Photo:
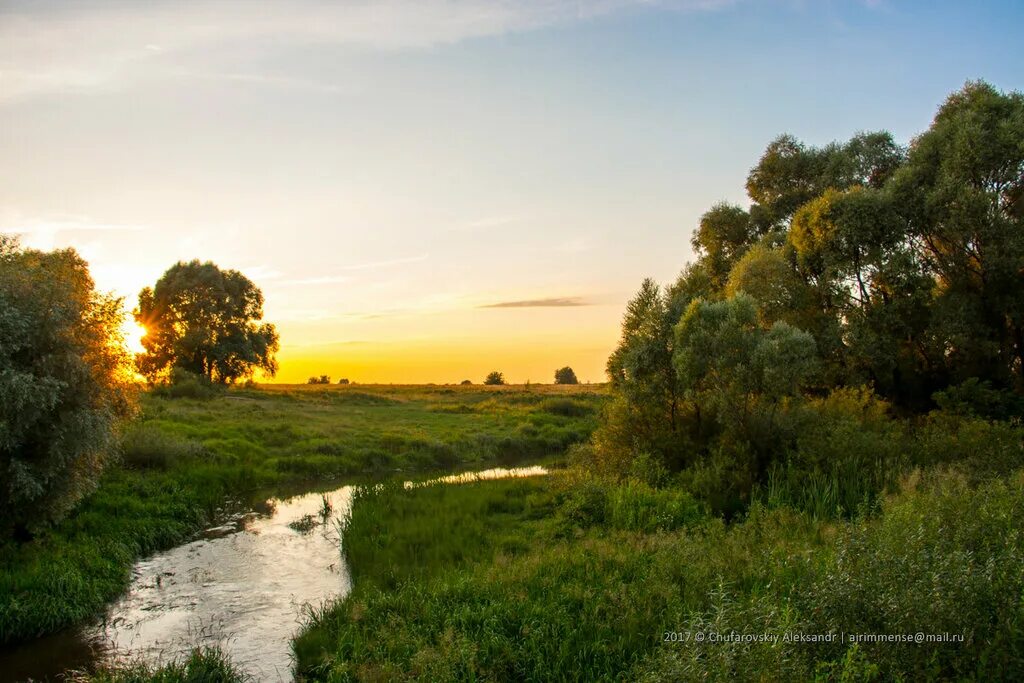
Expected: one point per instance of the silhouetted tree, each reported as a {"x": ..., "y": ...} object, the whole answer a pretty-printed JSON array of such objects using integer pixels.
[
  {"x": 205, "y": 320},
  {"x": 494, "y": 378},
  {"x": 466, "y": 382},
  {"x": 322, "y": 379},
  {"x": 565, "y": 376},
  {"x": 65, "y": 381}
]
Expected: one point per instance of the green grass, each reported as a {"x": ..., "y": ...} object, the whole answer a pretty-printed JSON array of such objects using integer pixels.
[
  {"x": 439, "y": 595},
  {"x": 201, "y": 666},
  {"x": 186, "y": 459}
]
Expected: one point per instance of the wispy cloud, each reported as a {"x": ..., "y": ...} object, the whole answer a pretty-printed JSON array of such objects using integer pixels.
[
  {"x": 370, "y": 265},
  {"x": 321, "y": 280},
  {"x": 485, "y": 223},
  {"x": 66, "y": 48},
  {"x": 554, "y": 302}
]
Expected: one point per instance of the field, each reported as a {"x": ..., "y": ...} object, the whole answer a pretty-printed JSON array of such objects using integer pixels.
[{"x": 188, "y": 458}]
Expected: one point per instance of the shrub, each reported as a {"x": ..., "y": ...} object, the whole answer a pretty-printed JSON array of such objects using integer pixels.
[
  {"x": 566, "y": 407},
  {"x": 65, "y": 384},
  {"x": 343, "y": 380},
  {"x": 147, "y": 447},
  {"x": 494, "y": 378},
  {"x": 322, "y": 379},
  {"x": 181, "y": 383},
  {"x": 466, "y": 382},
  {"x": 944, "y": 558}
]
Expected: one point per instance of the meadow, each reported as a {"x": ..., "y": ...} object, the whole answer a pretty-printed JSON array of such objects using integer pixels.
[
  {"x": 194, "y": 455},
  {"x": 574, "y": 578}
]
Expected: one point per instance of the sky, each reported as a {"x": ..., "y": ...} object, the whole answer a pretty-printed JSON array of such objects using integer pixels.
[{"x": 424, "y": 190}]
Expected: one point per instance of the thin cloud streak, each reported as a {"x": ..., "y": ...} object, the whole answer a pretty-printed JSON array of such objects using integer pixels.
[{"x": 554, "y": 302}]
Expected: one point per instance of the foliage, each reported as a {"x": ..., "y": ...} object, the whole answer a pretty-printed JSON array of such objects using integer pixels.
[
  {"x": 565, "y": 376},
  {"x": 322, "y": 379},
  {"x": 857, "y": 264},
  {"x": 205, "y": 320},
  {"x": 65, "y": 383},
  {"x": 494, "y": 378}
]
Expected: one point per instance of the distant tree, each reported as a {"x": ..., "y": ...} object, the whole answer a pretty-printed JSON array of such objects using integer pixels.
[
  {"x": 565, "y": 376},
  {"x": 494, "y": 378},
  {"x": 343, "y": 381},
  {"x": 322, "y": 379},
  {"x": 65, "y": 382},
  {"x": 466, "y": 382},
  {"x": 205, "y": 320}
]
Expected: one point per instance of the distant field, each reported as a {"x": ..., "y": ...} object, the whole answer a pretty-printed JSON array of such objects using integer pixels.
[{"x": 186, "y": 458}]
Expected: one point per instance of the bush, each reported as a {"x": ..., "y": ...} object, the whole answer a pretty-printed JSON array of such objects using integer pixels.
[
  {"x": 943, "y": 558},
  {"x": 65, "y": 383},
  {"x": 566, "y": 407},
  {"x": 466, "y": 382},
  {"x": 494, "y": 378},
  {"x": 147, "y": 447},
  {"x": 183, "y": 384},
  {"x": 343, "y": 380},
  {"x": 322, "y": 379}
]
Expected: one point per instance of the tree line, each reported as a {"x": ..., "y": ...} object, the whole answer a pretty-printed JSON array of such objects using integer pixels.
[{"x": 862, "y": 272}]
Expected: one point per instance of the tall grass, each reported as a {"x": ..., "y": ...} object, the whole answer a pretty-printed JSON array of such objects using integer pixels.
[
  {"x": 201, "y": 666},
  {"x": 943, "y": 556}
]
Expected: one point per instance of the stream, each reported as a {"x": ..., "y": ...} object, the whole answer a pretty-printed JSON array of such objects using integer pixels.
[{"x": 244, "y": 585}]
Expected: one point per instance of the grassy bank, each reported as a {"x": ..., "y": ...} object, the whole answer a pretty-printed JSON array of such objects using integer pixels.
[
  {"x": 551, "y": 580},
  {"x": 187, "y": 458}
]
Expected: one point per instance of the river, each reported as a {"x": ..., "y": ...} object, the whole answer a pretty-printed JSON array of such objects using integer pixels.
[{"x": 244, "y": 585}]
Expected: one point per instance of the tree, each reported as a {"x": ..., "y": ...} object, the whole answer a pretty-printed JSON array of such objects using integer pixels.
[
  {"x": 729, "y": 362},
  {"x": 466, "y": 382},
  {"x": 565, "y": 376},
  {"x": 322, "y": 379},
  {"x": 206, "y": 321},
  {"x": 962, "y": 195},
  {"x": 494, "y": 378},
  {"x": 65, "y": 383}
]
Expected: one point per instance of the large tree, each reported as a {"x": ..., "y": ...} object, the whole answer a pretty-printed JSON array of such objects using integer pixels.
[
  {"x": 65, "y": 382},
  {"x": 962, "y": 195},
  {"x": 206, "y": 321}
]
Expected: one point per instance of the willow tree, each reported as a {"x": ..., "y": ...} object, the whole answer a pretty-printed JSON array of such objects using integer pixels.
[{"x": 205, "y": 321}]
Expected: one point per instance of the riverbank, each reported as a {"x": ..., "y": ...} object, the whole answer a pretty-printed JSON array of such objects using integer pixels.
[{"x": 188, "y": 460}]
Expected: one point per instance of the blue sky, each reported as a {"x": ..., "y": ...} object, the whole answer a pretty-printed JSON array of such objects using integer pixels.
[{"x": 387, "y": 171}]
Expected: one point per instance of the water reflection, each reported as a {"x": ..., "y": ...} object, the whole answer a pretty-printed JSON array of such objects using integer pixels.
[{"x": 242, "y": 586}]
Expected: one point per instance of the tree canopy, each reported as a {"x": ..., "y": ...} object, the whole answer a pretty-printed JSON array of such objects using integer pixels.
[
  {"x": 65, "y": 382},
  {"x": 494, "y": 378},
  {"x": 565, "y": 376},
  {"x": 206, "y": 321},
  {"x": 857, "y": 264}
]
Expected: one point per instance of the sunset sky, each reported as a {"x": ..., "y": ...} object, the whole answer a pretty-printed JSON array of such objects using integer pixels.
[{"x": 426, "y": 191}]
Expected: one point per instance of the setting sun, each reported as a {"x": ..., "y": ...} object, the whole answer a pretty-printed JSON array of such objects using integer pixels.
[{"x": 133, "y": 334}]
